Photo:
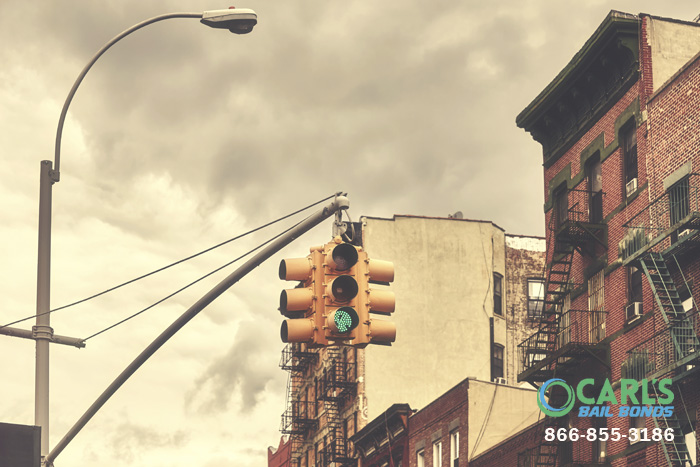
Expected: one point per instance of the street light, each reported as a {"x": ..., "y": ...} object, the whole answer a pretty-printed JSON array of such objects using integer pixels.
[{"x": 238, "y": 21}]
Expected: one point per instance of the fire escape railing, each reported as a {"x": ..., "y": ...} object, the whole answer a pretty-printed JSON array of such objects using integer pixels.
[
  {"x": 585, "y": 206},
  {"x": 576, "y": 222},
  {"x": 665, "y": 351},
  {"x": 576, "y": 328},
  {"x": 337, "y": 386},
  {"x": 679, "y": 206},
  {"x": 299, "y": 418}
]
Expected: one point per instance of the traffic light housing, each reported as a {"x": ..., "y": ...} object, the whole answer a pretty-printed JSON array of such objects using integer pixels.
[
  {"x": 333, "y": 301},
  {"x": 302, "y": 305},
  {"x": 341, "y": 291},
  {"x": 375, "y": 300}
]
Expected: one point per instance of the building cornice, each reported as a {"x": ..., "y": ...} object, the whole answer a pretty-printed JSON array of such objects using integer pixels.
[{"x": 599, "y": 74}]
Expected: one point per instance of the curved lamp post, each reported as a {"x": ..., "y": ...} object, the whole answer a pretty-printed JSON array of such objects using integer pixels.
[{"x": 238, "y": 21}]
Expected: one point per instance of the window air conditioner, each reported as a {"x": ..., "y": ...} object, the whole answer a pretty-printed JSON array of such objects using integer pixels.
[
  {"x": 500, "y": 381},
  {"x": 631, "y": 186},
  {"x": 633, "y": 311}
]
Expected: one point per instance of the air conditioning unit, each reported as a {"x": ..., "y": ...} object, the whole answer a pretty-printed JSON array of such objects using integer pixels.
[
  {"x": 500, "y": 381},
  {"x": 631, "y": 186},
  {"x": 633, "y": 311}
]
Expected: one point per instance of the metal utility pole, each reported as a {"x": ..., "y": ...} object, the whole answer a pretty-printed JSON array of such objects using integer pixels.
[{"x": 43, "y": 330}]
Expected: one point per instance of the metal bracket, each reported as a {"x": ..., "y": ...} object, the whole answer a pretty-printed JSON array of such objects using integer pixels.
[{"x": 42, "y": 332}]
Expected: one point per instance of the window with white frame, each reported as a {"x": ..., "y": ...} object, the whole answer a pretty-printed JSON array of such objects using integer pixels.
[
  {"x": 454, "y": 449},
  {"x": 420, "y": 458},
  {"x": 437, "y": 454},
  {"x": 596, "y": 306},
  {"x": 637, "y": 423},
  {"x": 535, "y": 298}
]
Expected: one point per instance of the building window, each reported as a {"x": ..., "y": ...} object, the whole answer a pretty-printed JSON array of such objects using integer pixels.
[
  {"x": 596, "y": 307},
  {"x": 497, "y": 294},
  {"x": 637, "y": 423},
  {"x": 420, "y": 458},
  {"x": 634, "y": 284},
  {"x": 679, "y": 201},
  {"x": 535, "y": 297},
  {"x": 628, "y": 136},
  {"x": 594, "y": 173},
  {"x": 497, "y": 362},
  {"x": 561, "y": 206},
  {"x": 437, "y": 454},
  {"x": 528, "y": 458},
  {"x": 599, "y": 445},
  {"x": 454, "y": 449}
]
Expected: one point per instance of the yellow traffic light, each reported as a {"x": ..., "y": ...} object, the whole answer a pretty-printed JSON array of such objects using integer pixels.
[
  {"x": 341, "y": 291},
  {"x": 374, "y": 300},
  {"x": 303, "y": 305},
  {"x": 333, "y": 301}
]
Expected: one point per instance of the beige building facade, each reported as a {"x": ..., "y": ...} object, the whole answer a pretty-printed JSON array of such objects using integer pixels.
[{"x": 460, "y": 309}]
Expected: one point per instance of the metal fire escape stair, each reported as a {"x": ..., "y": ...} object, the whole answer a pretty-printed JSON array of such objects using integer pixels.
[
  {"x": 676, "y": 450},
  {"x": 555, "y": 292},
  {"x": 556, "y": 288},
  {"x": 297, "y": 418},
  {"x": 336, "y": 388},
  {"x": 685, "y": 340}
]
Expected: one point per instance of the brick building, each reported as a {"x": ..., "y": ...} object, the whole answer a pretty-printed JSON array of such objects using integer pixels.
[
  {"x": 620, "y": 132},
  {"x": 279, "y": 457},
  {"x": 384, "y": 440},
  {"x": 461, "y": 307},
  {"x": 450, "y": 431}
]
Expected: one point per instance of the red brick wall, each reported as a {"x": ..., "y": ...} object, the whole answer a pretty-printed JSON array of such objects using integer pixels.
[
  {"x": 506, "y": 454},
  {"x": 281, "y": 456},
  {"x": 432, "y": 423},
  {"x": 674, "y": 126},
  {"x": 521, "y": 265}
]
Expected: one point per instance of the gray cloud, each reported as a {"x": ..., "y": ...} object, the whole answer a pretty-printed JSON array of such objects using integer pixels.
[
  {"x": 128, "y": 439},
  {"x": 243, "y": 373},
  {"x": 408, "y": 106}
]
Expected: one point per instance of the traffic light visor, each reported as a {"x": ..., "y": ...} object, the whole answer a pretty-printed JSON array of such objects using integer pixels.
[
  {"x": 296, "y": 269},
  {"x": 383, "y": 332},
  {"x": 343, "y": 257},
  {"x": 381, "y": 271},
  {"x": 382, "y": 301},
  {"x": 343, "y": 288},
  {"x": 296, "y": 300},
  {"x": 297, "y": 330}
]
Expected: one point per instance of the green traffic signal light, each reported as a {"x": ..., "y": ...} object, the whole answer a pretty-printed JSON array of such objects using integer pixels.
[{"x": 345, "y": 319}]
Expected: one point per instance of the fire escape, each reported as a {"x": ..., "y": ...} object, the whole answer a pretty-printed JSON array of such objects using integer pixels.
[
  {"x": 299, "y": 418},
  {"x": 337, "y": 386},
  {"x": 664, "y": 231},
  {"x": 565, "y": 338}
]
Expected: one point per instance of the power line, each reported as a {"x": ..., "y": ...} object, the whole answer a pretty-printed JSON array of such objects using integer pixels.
[
  {"x": 172, "y": 264},
  {"x": 192, "y": 283}
]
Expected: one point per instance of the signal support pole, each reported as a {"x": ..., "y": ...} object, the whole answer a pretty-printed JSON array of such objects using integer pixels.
[{"x": 43, "y": 330}]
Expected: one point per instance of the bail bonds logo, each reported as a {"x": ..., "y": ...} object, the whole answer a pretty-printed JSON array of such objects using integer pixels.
[{"x": 644, "y": 405}]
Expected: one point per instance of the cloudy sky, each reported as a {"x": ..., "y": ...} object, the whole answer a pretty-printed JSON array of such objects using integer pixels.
[{"x": 182, "y": 136}]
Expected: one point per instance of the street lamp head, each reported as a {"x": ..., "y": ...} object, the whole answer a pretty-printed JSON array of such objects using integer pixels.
[{"x": 238, "y": 21}]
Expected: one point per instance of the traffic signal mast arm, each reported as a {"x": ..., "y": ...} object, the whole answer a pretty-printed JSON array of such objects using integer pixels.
[{"x": 340, "y": 202}]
